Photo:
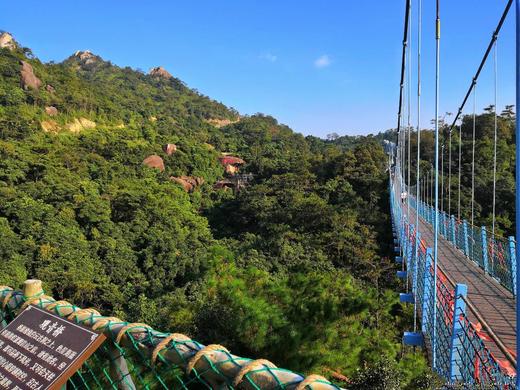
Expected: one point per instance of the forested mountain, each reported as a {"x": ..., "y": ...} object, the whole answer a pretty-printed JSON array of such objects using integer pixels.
[{"x": 294, "y": 267}]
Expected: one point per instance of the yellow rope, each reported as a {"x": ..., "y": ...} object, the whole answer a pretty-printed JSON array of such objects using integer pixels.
[
  {"x": 251, "y": 366},
  {"x": 126, "y": 328},
  {"x": 309, "y": 381},
  {"x": 164, "y": 343},
  {"x": 204, "y": 351}
]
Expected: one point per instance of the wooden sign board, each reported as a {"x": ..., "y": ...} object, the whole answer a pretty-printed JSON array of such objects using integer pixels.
[{"x": 40, "y": 350}]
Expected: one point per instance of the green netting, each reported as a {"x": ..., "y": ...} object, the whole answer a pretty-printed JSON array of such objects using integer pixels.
[{"x": 135, "y": 356}]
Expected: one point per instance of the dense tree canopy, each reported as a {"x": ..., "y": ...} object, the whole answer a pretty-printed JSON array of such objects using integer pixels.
[{"x": 294, "y": 267}]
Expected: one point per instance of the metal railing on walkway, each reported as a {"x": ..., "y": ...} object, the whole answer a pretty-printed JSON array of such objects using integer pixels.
[{"x": 461, "y": 355}]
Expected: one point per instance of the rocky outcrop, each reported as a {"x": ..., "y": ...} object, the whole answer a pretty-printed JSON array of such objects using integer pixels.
[
  {"x": 50, "y": 88},
  {"x": 231, "y": 160},
  {"x": 169, "y": 149},
  {"x": 28, "y": 78},
  {"x": 7, "y": 41},
  {"x": 185, "y": 185},
  {"x": 160, "y": 72},
  {"x": 188, "y": 183},
  {"x": 221, "y": 122},
  {"x": 154, "y": 161},
  {"x": 51, "y": 111},
  {"x": 86, "y": 57},
  {"x": 80, "y": 124},
  {"x": 50, "y": 126}
]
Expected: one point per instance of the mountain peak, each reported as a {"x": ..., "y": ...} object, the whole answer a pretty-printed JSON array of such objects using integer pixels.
[
  {"x": 7, "y": 41},
  {"x": 86, "y": 56},
  {"x": 159, "y": 71}
]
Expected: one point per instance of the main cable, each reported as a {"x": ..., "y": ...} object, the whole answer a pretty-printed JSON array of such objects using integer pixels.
[{"x": 484, "y": 59}]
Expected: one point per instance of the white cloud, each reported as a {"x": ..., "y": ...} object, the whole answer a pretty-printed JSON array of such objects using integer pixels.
[
  {"x": 269, "y": 57},
  {"x": 322, "y": 61}
]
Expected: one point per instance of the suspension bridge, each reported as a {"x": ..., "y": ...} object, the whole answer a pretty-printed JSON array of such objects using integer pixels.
[{"x": 460, "y": 278}]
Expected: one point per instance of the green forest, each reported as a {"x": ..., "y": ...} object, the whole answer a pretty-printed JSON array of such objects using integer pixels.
[{"x": 295, "y": 267}]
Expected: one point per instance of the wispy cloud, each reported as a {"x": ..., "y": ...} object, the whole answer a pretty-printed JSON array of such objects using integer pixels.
[
  {"x": 268, "y": 57},
  {"x": 322, "y": 61}
]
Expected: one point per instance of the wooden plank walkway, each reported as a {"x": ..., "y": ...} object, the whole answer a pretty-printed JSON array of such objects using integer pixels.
[{"x": 495, "y": 304}]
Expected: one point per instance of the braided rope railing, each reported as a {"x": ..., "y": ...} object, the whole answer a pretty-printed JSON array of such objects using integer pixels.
[{"x": 140, "y": 357}]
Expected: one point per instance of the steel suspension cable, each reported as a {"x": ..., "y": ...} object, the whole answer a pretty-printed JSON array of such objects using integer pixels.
[
  {"x": 401, "y": 139},
  {"x": 436, "y": 225},
  {"x": 442, "y": 177},
  {"x": 403, "y": 64},
  {"x": 417, "y": 180},
  {"x": 460, "y": 171},
  {"x": 409, "y": 95},
  {"x": 473, "y": 155},
  {"x": 484, "y": 59},
  {"x": 517, "y": 181},
  {"x": 409, "y": 109},
  {"x": 449, "y": 174},
  {"x": 495, "y": 55}
]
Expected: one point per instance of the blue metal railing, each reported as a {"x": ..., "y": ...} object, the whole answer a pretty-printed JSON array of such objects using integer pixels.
[
  {"x": 495, "y": 255},
  {"x": 462, "y": 357}
]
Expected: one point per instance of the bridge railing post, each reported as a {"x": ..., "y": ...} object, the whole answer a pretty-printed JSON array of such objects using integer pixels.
[
  {"x": 512, "y": 258},
  {"x": 466, "y": 242},
  {"x": 456, "y": 353},
  {"x": 452, "y": 235},
  {"x": 485, "y": 260},
  {"x": 409, "y": 247},
  {"x": 428, "y": 290},
  {"x": 416, "y": 263}
]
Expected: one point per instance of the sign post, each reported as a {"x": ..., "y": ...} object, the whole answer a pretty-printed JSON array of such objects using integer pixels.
[{"x": 40, "y": 350}]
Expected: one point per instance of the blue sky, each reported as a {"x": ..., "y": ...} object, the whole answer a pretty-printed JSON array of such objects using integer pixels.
[{"x": 317, "y": 66}]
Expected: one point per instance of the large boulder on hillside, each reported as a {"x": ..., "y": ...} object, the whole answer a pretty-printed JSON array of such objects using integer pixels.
[
  {"x": 189, "y": 183},
  {"x": 51, "y": 111},
  {"x": 184, "y": 183},
  {"x": 160, "y": 72},
  {"x": 7, "y": 41},
  {"x": 50, "y": 88},
  {"x": 28, "y": 78},
  {"x": 50, "y": 126},
  {"x": 169, "y": 149},
  {"x": 80, "y": 124},
  {"x": 154, "y": 161}
]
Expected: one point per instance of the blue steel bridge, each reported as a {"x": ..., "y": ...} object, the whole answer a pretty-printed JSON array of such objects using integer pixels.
[{"x": 462, "y": 279}]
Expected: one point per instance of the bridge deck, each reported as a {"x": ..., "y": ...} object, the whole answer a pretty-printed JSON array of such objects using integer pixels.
[{"x": 495, "y": 304}]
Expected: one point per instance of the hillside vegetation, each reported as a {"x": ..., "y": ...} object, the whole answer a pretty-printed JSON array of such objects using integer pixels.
[{"x": 292, "y": 268}]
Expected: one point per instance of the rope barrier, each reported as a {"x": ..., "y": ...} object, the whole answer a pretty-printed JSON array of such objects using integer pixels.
[{"x": 141, "y": 357}]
